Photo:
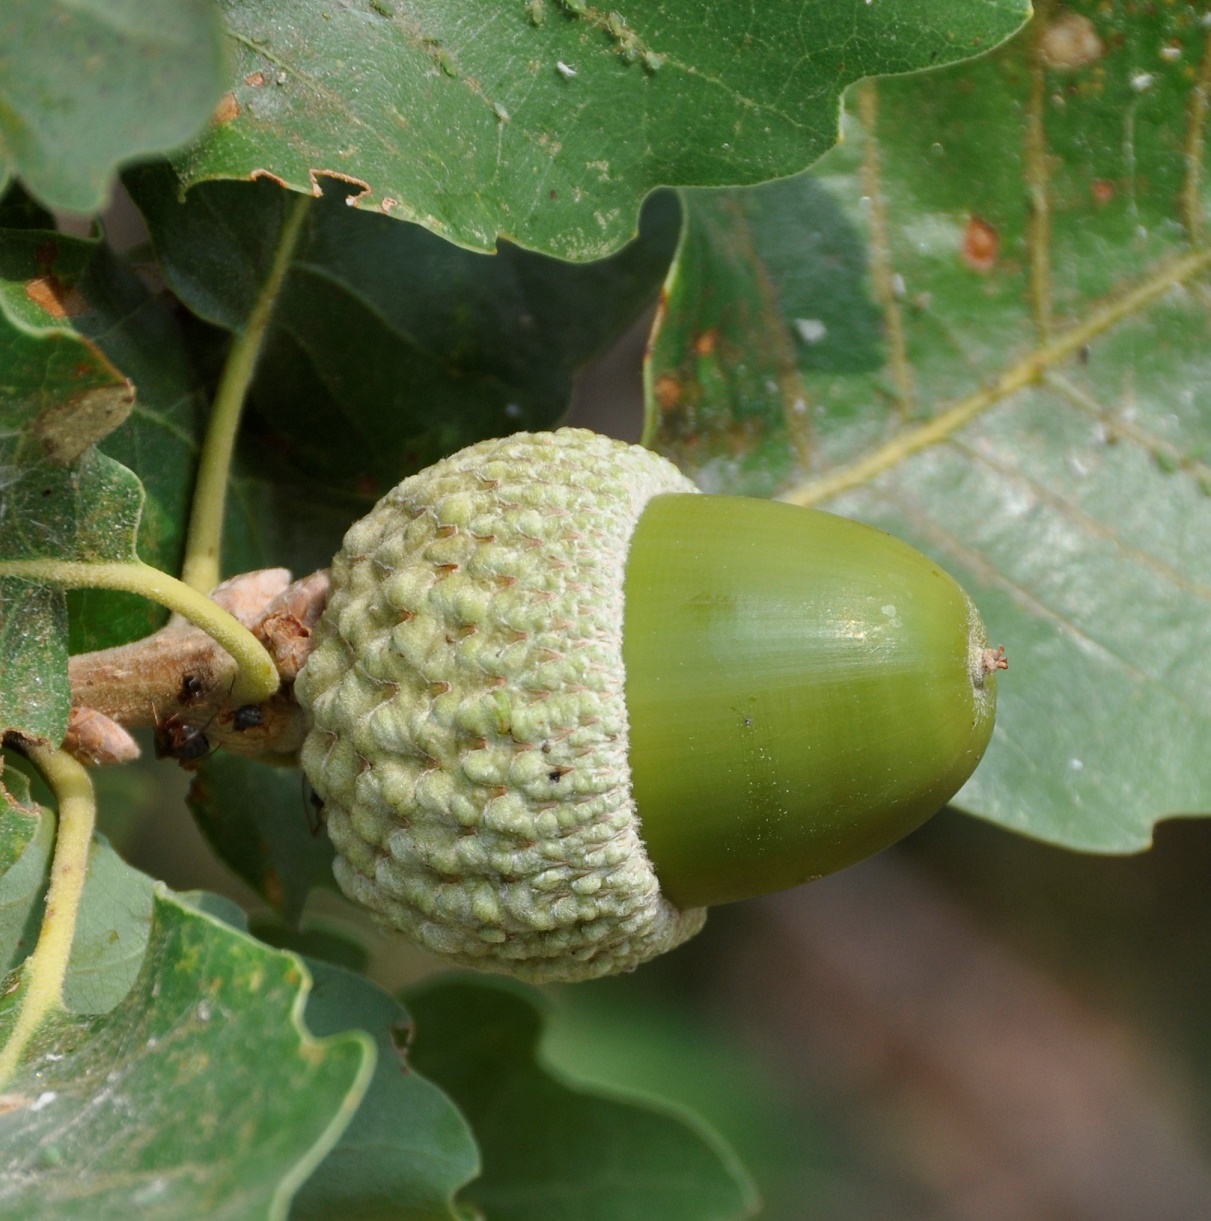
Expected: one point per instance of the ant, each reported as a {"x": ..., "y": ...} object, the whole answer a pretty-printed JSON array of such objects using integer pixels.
[{"x": 187, "y": 744}]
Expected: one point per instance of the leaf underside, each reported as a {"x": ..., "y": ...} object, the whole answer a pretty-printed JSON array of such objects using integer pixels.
[
  {"x": 85, "y": 86},
  {"x": 934, "y": 387}
]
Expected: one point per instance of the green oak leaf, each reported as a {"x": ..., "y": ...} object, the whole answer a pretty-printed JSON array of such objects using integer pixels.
[
  {"x": 551, "y": 1150},
  {"x": 1035, "y": 413},
  {"x": 407, "y": 1151},
  {"x": 548, "y": 121},
  {"x": 77, "y": 332},
  {"x": 390, "y": 348},
  {"x": 89, "y": 358},
  {"x": 84, "y": 87},
  {"x": 200, "y": 1094}
]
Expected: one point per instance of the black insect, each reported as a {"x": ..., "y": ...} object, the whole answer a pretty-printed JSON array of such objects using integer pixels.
[
  {"x": 187, "y": 744},
  {"x": 247, "y": 716}
]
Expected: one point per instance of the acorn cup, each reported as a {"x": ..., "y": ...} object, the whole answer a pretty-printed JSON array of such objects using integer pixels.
[{"x": 561, "y": 702}]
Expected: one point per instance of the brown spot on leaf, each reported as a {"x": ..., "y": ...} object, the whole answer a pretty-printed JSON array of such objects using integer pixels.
[
  {"x": 59, "y": 300},
  {"x": 69, "y": 427},
  {"x": 981, "y": 245},
  {"x": 1070, "y": 42},
  {"x": 227, "y": 109},
  {"x": 255, "y": 79},
  {"x": 706, "y": 343},
  {"x": 667, "y": 391},
  {"x": 1102, "y": 190}
]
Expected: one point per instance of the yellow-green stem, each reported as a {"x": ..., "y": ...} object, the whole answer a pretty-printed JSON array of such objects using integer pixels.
[
  {"x": 46, "y": 968},
  {"x": 203, "y": 546},
  {"x": 258, "y": 677}
]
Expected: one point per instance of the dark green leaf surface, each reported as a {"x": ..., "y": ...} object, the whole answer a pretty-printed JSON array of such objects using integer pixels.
[
  {"x": 261, "y": 824},
  {"x": 1075, "y": 508},
  {"x": 27, "y": 836},
  {"x": 551, "y": 1151},
  {"x": 200, "y": 1095},
  {"x": 389, "y": 347},
  {"x": 407, "y": 1151},
  {"x": 19, "y": 815},
  {"x": 19, "y": 211},
  {"x": 84, "y": 87},
  {"x": 86, "y": 512},
  {"x": 548, "y": 122}
]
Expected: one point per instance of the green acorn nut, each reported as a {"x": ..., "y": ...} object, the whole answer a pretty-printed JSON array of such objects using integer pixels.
[{"x": 561, "y": 703}]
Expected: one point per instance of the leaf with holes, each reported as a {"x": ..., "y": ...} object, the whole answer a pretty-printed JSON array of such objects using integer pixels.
[
  {"x": 1034, "y": 409},
  {"x": 548, "y": 121}
]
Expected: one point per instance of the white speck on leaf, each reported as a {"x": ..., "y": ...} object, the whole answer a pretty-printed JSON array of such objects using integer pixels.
[
  {"x": 43, "y": 1100},
  {"x": 565, "y": 70},
  {"x": 811, "y": 330}
]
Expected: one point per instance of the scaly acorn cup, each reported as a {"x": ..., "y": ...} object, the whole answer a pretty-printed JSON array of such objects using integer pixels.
[{"x": 561, "y": 703}]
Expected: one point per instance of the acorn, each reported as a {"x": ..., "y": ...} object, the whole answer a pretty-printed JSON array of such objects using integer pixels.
[{"x": 561, "y": 702}]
